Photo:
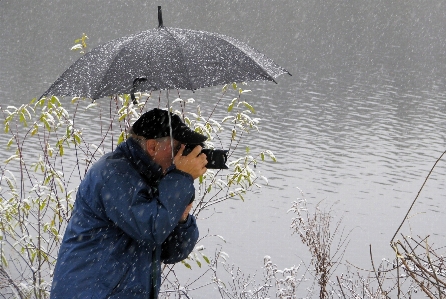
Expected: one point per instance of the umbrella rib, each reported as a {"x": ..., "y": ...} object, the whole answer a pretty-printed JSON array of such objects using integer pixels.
[
  {"x": 104, "y": 75},
  {"x": 130, "y": 40},
  {"x": 268, "y": 76},
  {"x": 182, "y": 56}
]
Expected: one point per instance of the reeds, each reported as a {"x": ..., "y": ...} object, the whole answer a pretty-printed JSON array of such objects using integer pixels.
[{"x": 325, "y": 241}]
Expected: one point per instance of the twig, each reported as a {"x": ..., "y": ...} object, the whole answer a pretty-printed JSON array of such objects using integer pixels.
[
  {"x": 340, "y": 286},
  {"x": 417, "y": 263},
  {"x": 433, "y": 271},
  {"x": 426, "y": 291},
  {"x": 426, "y": 271},
  {"x": 366, "y": 270},
  {"x": 398, "y": 276},
  {"x": 376, "y": 275},
  {"x": 408, "y": 211},
  {"x": 11, "y": 282}
]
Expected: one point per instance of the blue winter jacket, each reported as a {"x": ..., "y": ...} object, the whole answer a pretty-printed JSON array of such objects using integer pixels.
[{"x": 124, "y": 224}]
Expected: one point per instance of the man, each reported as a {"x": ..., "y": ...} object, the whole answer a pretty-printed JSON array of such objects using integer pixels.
[{"x": 132, "y": 213}]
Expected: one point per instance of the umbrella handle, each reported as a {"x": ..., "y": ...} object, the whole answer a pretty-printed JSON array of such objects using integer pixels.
[
  {"x": 160, "y": 17},
  {"x": 136, "y": 82}
]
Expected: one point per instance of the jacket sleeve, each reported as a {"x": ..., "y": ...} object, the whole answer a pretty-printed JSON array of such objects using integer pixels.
[
  {"x": 180, "y": 243},
  {"x": 130, "y": 204}
]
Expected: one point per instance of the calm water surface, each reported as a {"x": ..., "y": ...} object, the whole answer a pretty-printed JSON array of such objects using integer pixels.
[{"x": 358, "y": 126}]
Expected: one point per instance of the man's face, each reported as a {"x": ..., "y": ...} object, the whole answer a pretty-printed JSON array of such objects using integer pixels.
[{"x": 163, "y": 151}]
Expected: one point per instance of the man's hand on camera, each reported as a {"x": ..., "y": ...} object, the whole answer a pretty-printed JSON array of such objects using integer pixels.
[{"x": 194, "y": 163}]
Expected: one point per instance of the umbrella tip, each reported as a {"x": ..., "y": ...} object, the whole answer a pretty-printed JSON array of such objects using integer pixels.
[{"x": 160, "y": 17}]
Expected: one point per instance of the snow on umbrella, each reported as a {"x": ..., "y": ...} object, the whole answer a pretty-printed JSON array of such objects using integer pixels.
[{"x": 160, "y": 59}]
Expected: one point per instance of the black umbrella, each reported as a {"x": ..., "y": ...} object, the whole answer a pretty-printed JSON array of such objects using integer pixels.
[{"x": 163, "y": 58}]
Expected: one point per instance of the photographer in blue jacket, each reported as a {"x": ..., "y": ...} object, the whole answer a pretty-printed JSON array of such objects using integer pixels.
[{"x": 132, "y": 213}]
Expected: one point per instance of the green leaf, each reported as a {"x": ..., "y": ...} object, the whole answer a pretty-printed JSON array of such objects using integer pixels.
[
  {"x": 262, "y": 155},
  {"x": 34, "y": 130},
  {"x": 231, "y": 106},
  {"x": 123, "y": 116},
  {"x": 271, "y": 155},
  {"x": 91, "y": 105},
  {"x": 55, "y": 101},
  {"x": 41, "y": 102},
  {"x": 234, "y": 86},
  {"x": 226, "y": 118},
  {"x": 11, "y": 158},
  {"x": 4, "y": 261},
  {"x": 206, "y": 259},
  {"x": 126, "y": 100},
  {"x": 32, "y": 257},
  {"x": 46, "y": 123},
  {"x": 121, "y": 137},
  {"x": 198, "y": 263},
  {"x": 22, "y": 118},
  {"x": 8, "y": 145},
  {"x": 249, "y": 107},
  {"x": 186, "y": 265},
  {"x": 76, "y": 47},
  {"x": 221, "y": 237},
  {"x": 234, "y": 133},
  {"x": 54, "y": 231},
  {"x": 77, "y": 138},
  {"x": 61, "y": 150}
]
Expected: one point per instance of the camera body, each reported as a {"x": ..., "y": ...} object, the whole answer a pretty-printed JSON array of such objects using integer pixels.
[{"x": 216, "y": 157}]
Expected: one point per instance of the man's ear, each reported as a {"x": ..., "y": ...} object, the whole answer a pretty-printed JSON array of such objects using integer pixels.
[{"x": 151, "y": 147}]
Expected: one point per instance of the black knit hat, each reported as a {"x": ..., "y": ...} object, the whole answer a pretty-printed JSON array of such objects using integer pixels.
[{"x": 155, "y": 124}]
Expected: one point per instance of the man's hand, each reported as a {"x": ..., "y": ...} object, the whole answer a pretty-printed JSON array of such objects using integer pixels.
[
  {"x": 194, "y": 163},
  {"x": 186, "y": 213}
]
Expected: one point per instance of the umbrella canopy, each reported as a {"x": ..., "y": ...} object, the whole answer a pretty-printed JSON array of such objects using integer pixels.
[{"x": 163, "y": 58}]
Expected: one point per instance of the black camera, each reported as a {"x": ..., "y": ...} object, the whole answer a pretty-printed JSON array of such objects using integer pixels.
[{"x": 216, "y": 157}]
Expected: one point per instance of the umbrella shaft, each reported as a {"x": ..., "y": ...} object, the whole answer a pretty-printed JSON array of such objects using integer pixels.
[{"x": 170, "y": 123}]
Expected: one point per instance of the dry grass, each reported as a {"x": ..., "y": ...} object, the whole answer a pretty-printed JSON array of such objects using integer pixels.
[{"x": 324, "y": 239}]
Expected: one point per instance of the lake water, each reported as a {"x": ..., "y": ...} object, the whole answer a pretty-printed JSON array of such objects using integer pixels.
[{"x": 358, "y": 125}]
